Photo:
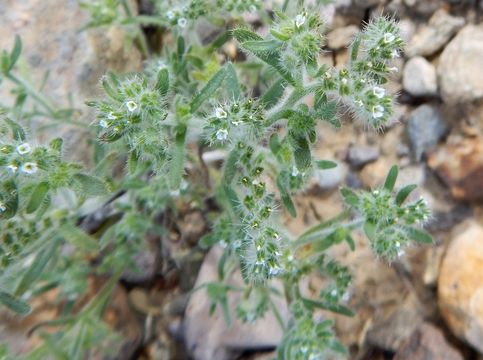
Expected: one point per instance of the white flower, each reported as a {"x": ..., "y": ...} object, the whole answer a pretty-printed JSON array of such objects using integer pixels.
[
  {"x": 377, "y": 111},
  {"x": 29, "y": 168},
  {"x": 220, "y": 113},
  {"x": 111, "y": 116},
  {"x": 369, "y": 64},
  {"x": 393, "y": 69},
  {"x": 397, "y": 244},
  {"x": 103, "y": 124},
  {"x": 12, "y": 167},
  {"x": 359, "y": 102},
  {"x": 379, "y": 92},
  {"x": 328, "y": 75},
  {"x": 131, "y": 106},
  {"x": 24, "y": 148},
  {"x": 222, "y": 135},
  {"x": 389, "y": 38},
  {"x": 394, "y": 54},
  {"x": 295, "y": 171},
  {"x": 170, "y": 15},
  {"x": 182, "y": 22},
  {"x": 300, "y": 20},
  {"x": 344, "y": 81},
  {"x": 333, "y": 293},
  {"x": 2, "y": 207}
]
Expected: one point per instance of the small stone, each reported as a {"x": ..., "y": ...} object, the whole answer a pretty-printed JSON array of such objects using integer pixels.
[
  {"x": 359, "y": 156},
  {"x": 341, "y": 37},
  {"x": 427, "y": 343},
  {"x": 435, "y": 35},
  {"x": 330, "y": 178},
  {"x": 208, "y": 337},
  {"x": 460, "y": 285},
  {"x": 459, "y": 163},
  {"x": 425, "y": 129},
  {"x": 419, "y": 78},
  {"x": 460, "y": 70}
]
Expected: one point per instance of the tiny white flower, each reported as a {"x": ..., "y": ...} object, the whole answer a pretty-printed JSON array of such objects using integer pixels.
[
  {"x": 333, "y": 293},
  {"x": 131, "y": 106},
  {"x": 400, "y": 253},
  {"x": 346, "y": 296},
  {"x": 252, "y": 8},
  {"x": 369, "y": 64},
  {"x": 29, "y": 168},
  {"x": 12, "y": 167},
  {"x": 236, "y": 123},
  {"x": 295, "y": 171},
  {"x": 379, "y": 92},
  {"x": 220, "y": 113},
  {"x": 222, "y": 135},
  {"x": 290, "y": 258},
  {"x": 389, "y": 38},
  {"x": 376, "y": 192},
  {"x": 170, "y": 15},
  {"x": 111, "y": 116},
  {"x": 398, "y": 244},
  {"x": 393, "y": 69},
  {"x": 359, "y": 102},
  {"x": 377, "y": 111},
  {"x": 182, "y": 22},
  {"x": 394, "y": 54},
  {"x": 103, "y": 124},
  {"x": 300, "y": 20},
  {"x": 2, "y": 207},
  {"x": 344, "y": 81},
  {"x": 24, "y": 148},
  {"x": 328, "y": 75}
]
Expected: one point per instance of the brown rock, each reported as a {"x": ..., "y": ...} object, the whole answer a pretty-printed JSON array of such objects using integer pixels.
[
  {"x": 427, "y": 343},
  {"x": 459, "y": 164},
  {"x": 460, "y": 285}
]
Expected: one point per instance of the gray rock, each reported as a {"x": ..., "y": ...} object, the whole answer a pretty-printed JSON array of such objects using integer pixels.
[
  {"x": 208, "y": 337},
  {"x": 435, "y": 35},
  {"x": 330, "y": 178},
  {"x": 425, "y": 128},
  {"x": 460, "y": 67},
  {"x": 419, "y": 77},
  {"x": 361, "y": 155},
  {"x": 341, "y": 37},
  {"x": 367, "y": 3}
]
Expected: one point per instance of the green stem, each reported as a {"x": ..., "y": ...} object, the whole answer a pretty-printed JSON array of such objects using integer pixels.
[{"x": 41, "y": 99}]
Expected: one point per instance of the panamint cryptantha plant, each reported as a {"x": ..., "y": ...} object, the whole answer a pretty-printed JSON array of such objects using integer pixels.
[{"x": 151, "y": 129}]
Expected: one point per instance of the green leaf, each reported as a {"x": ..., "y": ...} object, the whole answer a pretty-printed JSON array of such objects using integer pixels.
[
  {"x": 302, "y": 155},
  {"x": 56, "y": 145},
  {"x": 274, "y": 144},
  {"x": 370, "y": 230},
  {"x": 14, "y": 304},
  {"x": 230, "y": 167},
  {"x": 90, "y": 185},
  {"x": 391, "y": 178},
  {"x": 109, "y": 89},
  {"x": 336, "y": 308},
  {"x": 208, "y": 240},
  {"x": 403, "y": 194},
  {"x": 233, "y": 200},
  {"x": 326, "y": 224},
  {"x": 418, "y": 235},
  {"x": 210, "y": 88},
  {"x": 17, "y": 130},
  {"x": 9, "y": 199},
  {"x": 15, "y": 54},
  {"x": 257, "y": 46},
  {"x": 162, "y": 82},
  {"x": 349, "y": 197},
  {"x": 350, "y": 241},
  {"x": 176, "y": 168},
  {"x": 37, "y": 196},
  {"x": 354, "y": 48},
  {"x": 325, "y": 164},
  {"x": 271, "y": 57},
  {"x": 40, "y": 262},
  {"x": 77, "y": 237},
  {"x": 232, "y": 83},
  {"x": 285, "y": 196},
  {"x": 273, "y": 94}
]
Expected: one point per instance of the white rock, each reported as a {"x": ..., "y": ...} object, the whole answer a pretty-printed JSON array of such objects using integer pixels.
[{"x": 419, "y": 77}]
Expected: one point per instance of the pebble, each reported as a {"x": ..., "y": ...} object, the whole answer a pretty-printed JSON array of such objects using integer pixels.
[
  {"x": 432, "y": 37},
  {"x": 419, "y": 77},
  {"x": 361, "y": 155},
  {"x": 460, "y": 69},
  {"x": 460, "y": 284},
  {"x": 341, "y": 37},
  {"x": 425, "y": 129}
]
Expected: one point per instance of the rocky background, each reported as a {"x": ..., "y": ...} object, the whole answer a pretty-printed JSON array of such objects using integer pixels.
[{"x": 427, "y": 305}]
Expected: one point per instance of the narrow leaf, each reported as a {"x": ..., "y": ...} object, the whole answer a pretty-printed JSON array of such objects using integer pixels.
[
  {"x": 370, "y": 230},
  {"x": 37, "y": 196},
  {"x": 77, "y": 237},
  {"x": 302, "y": 155},
  {"x": 325, "y": 164},
  {"x": 15, "y": 54},
  {"x": 177, "y": 158},
  {"x": 418, "y": 235},
  {"x": 232, "y": 83},
  {"x": 349, "y": 197},
  {"x": 336, "y": 308},
  {"x": 14, "y": 304},
  {"x": 273, "y": 94},
  {"x": 17, "y": 130},
  {"x": 210, "y": 88},
  {"x": 403, "y": 194},
  {"x": 90, "y": 185},
  {"x": 391, "y": 178},
  {"x": 230, "y": 167},
  {"x": 162, "y": 82},
  {"x": 285, "y": 196}
]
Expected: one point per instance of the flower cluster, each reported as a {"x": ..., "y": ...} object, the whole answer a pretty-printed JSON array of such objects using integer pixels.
[{"x": 238, "y": 121}]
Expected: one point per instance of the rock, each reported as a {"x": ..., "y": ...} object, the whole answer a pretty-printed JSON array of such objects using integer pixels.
[
  {"x": 360, "y": 155},
  {"x": 459, "y": 163},
  {"x": 341, "y": 37},
  {"x": 367, "y": 3},
  {"x": 435, "y": 35},
  {"x": 425, "y": 129},
  {"x": 419, "y": 77},
  {"x": 209, "y": 337},
  {"x": 460, "y": 284},
  {"x": 427, "y": 343},
  {"x": 330, "y": 178},
  {"x": 460, "y": 72}
]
